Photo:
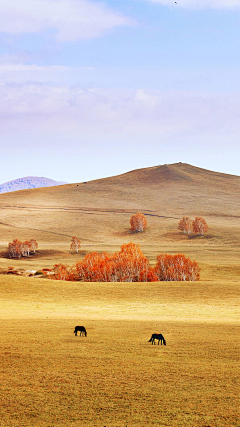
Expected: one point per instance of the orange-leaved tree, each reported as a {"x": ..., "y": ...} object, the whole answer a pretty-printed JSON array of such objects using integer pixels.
[
  {"x": 25, "y": 248},
  {"x": 138, "y": 222},
  {"x": 131, "y": 263},
  {"x": 14, "y": 249},
  {"x": 127, "y": 265},
  {"x": 185, "y": 225},
  {"x": 63, "y": 272},
  {"x": 17, "y": 249},
  {"x": 75, "y": 244},
  {"x": 148, "y": 276},
  {"x": 176, "y": 268},
  {"x": 200, "y": 226},
  {"x": 33, "y": 245},
  {"x": 94, "y": 267}
]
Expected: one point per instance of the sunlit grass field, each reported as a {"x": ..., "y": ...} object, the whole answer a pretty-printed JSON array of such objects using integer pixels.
[{"x": 114, "y": 376}]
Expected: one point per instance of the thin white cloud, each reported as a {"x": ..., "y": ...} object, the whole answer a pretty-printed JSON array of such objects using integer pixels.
[
  {"x": 68, "y": 20},
  {"x": 23, "y": 73},
  {"x": 47, "y": 109},
  {"x": 199, "y": 4}
]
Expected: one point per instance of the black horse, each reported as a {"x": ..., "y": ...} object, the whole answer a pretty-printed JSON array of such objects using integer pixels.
[
  {"x": 81, "y": 329},
  {"x": 158, "y": 337}
]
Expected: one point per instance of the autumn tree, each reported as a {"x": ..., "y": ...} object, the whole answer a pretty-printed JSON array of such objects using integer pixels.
[
  {"x": 62, "y": 272},
  {"x": 14, "y": 249},
  {"x": 33, "y": 245},
  {"x": 131, "y": 263},
  {"x": 94, "y": 268},
  {"x": 25, "y": 248},
  {"x": 127, "y": 265},
  {"x": 200, "y": 226},
  {"x": 185, "y": 225},
  {"x": 138, "y": 222},
  {"x": 75, "y": 244},
  {"x": 17, "y": 249},
  {"x": 176, "y": 268},
  {"x": 148, "y": 276}
]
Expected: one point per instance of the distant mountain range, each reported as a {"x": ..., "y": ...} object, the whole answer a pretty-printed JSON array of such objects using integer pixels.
[{"x": 27, "y": 183}]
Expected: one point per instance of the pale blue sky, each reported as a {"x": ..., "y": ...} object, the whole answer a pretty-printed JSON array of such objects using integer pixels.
[{"x": 90, "y": 89}]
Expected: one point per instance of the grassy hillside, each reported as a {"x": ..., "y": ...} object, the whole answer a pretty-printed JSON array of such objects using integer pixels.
[{"x": 98, "y": 212}]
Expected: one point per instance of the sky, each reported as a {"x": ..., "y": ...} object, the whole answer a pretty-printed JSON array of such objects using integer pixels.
[{"x": 90, "y": 89}]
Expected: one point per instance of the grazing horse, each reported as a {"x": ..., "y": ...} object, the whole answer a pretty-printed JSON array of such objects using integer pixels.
[
  {"x": 81, "y": 329},
  {"x": 158, "y": 337}
]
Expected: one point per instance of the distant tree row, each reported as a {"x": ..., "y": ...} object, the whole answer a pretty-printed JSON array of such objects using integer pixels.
[
  {"x": 128, "y": 265},
  {"x": 198, "y": 226},
  {"x": 17, "y": 249},
  {"x": 138, "y": 223}
]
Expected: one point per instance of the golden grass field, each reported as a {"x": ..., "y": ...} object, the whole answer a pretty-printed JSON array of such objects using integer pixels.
[{"x": 114, "y": 377}]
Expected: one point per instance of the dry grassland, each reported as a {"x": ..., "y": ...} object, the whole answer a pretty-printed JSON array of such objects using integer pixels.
[{"x": 114, "y": 377}]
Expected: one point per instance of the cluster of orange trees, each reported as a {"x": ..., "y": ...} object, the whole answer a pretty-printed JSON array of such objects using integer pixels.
[
  {"x": 128, "y": 265},
  {"x": 198, "y": 226},
  {"x": 17, "y": 249}
]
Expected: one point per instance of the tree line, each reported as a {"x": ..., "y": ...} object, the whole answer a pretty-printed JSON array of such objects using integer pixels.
[
  {"x": 128, "y": 265},
  {"x": 198, "y": 226}
]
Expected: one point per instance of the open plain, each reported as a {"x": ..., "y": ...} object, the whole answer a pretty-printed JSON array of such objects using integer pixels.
[{"x": 114, "y": 377}]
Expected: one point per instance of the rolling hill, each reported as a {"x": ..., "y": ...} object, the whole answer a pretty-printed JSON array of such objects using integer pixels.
[
  {"x": 27, "y": 183},
  {"x": 98, "y": 212}
]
